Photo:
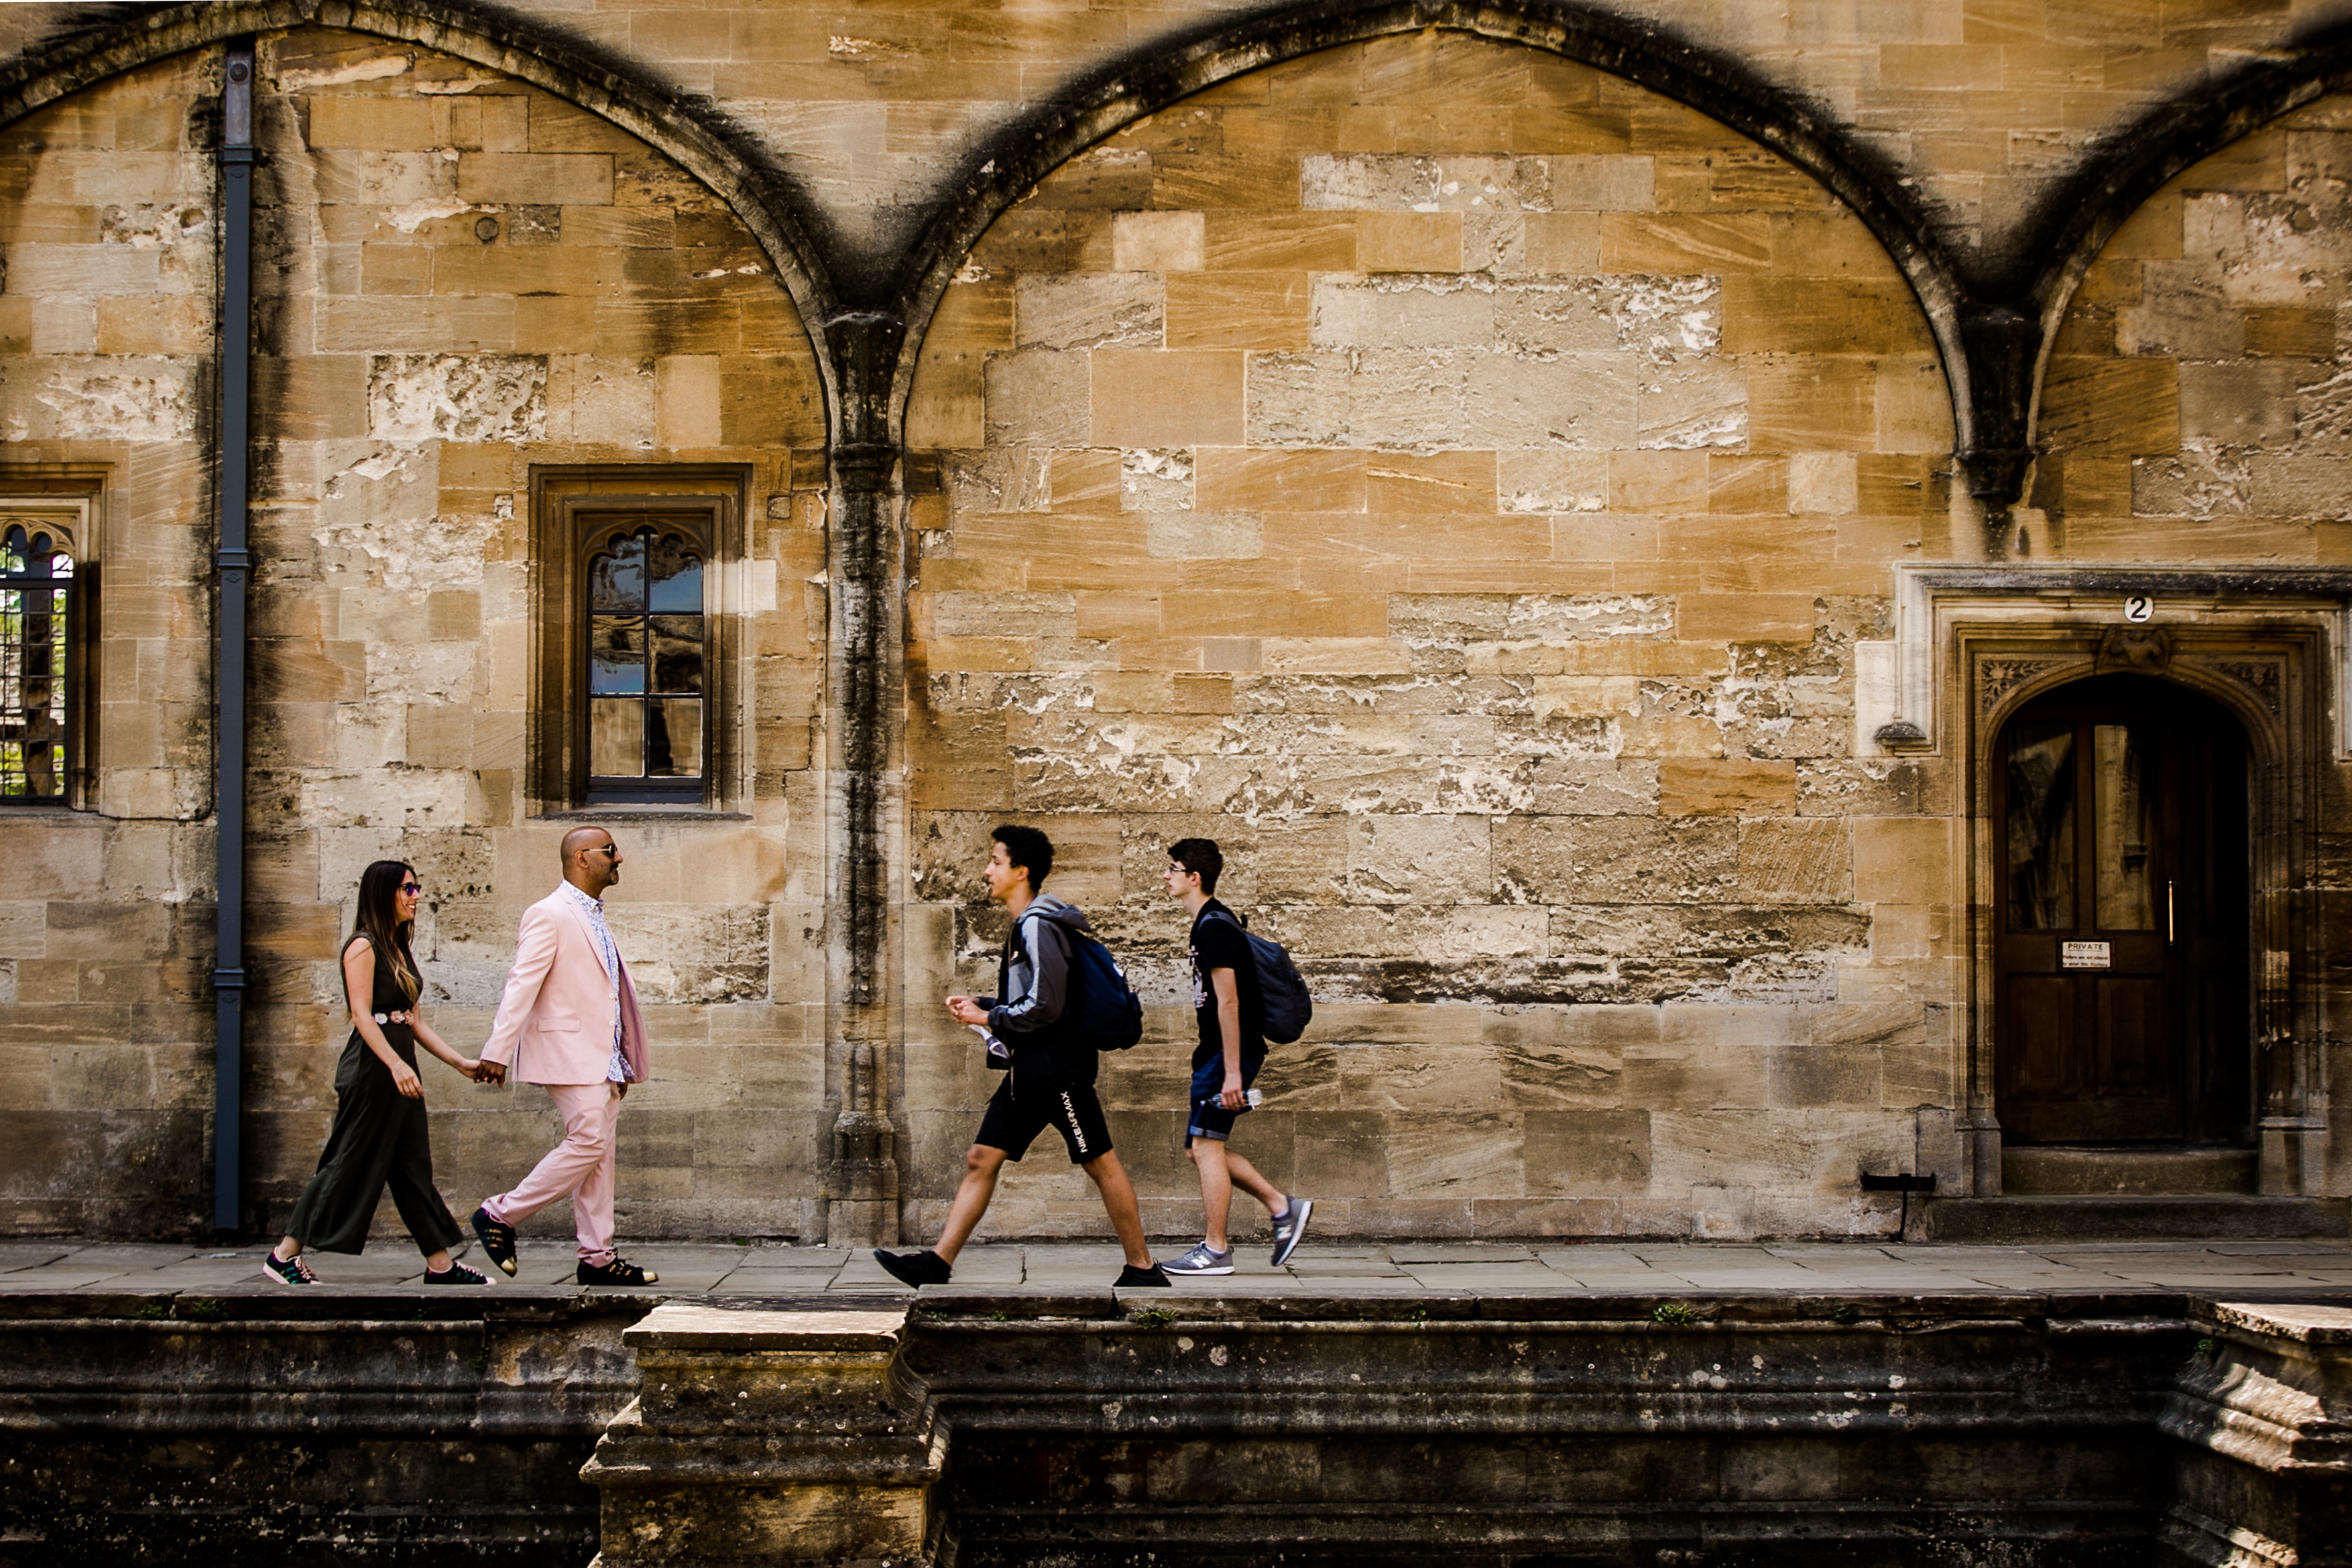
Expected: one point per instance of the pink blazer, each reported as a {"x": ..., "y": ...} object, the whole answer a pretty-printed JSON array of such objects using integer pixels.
[{"x": 556, "y": 1021}]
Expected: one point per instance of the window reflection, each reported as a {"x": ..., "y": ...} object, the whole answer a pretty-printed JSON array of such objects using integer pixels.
[
  {"x": 2040, "y": 847},
  {"x": 36, "y": 575},
  {"x": 646, "y": 650},
  {"x": 2123, "y": 801}
]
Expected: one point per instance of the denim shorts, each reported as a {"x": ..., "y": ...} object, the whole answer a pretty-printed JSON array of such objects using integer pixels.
[{"x": 1206, "y": 1118}]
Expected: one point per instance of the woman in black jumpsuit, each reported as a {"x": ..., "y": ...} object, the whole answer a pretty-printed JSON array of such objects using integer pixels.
[{"x": 380, "y": 1133}]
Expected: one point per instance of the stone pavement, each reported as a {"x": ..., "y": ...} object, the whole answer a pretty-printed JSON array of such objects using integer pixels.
[{"x": 2299, "y": 1270}]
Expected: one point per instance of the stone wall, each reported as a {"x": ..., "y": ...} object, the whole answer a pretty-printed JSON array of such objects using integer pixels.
[
  {"x": 1454, "y": 479},
  {"x": 106, "y": 340},
  {"x": 880, "y": 110},
  {"x": 461, "y": 280},
  {"x": 2196, "y": 408},
  {"x": 1466, "y": 483}
]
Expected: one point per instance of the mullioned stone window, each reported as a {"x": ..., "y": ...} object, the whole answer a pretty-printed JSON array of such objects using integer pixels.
[
  {"x": 46, "y": 620},
  {"x": 629, "y": 645},
  {"x": 36, "y": 662}
]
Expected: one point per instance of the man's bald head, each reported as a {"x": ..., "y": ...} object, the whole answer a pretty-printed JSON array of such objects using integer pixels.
[
  {"x": 592, "y": 860},
  {"x": 579, "y": 839}
]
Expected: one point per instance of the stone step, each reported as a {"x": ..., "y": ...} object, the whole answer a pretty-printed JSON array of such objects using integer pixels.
[
  {"x": 2025, "y": 1221},
  {"x": 2088, "y": 1172}
]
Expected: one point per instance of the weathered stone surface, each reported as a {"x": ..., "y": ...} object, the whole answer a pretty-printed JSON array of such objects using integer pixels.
[{"x": 457, "y": 397}]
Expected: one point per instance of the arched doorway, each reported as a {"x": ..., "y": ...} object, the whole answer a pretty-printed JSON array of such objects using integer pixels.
[{"x": 2121, "y": 919}]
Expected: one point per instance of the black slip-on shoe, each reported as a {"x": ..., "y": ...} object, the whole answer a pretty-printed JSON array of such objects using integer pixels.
[
  {"x": 1131, "y": 1277},
  {"x": 916, "y": 1268},
  {"x": 498, "y": 1241},
  {"x": 457, "y": 1274},
  {"x": 619, "y": 1272}
]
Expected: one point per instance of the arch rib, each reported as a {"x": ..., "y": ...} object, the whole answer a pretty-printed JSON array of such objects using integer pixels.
[
  {"x": 1713, "y": 83},
  {"x": 697, "y": 138}
]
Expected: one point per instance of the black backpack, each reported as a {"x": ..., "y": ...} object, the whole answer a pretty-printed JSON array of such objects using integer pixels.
[
  {"x": 1100, "y": 1008},
  {"x": 1281, "y": 991}
]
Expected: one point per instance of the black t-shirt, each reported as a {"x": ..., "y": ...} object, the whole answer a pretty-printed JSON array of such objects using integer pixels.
[{"x": 1220, "y": 944}]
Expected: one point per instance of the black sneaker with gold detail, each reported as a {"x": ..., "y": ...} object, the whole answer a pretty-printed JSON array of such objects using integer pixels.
[
  {"x": 498, "y": 1240},
  {"x": 619, "y": 1272}
]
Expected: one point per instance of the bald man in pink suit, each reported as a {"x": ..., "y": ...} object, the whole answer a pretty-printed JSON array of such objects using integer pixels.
[{"x": 569, "y": 1022}]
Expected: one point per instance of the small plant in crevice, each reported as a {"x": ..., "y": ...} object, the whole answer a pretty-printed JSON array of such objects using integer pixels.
[
  {"x": 153, "y": 1310},
  {"x": 1417, "y": 1317},
  {"x": 1845, "y": 1314},
  {"x": 2208, "y": 1350},
  {"x": 1674, "y": 1315},
  {"x": 1152, "y": 1317},
  {"x": 204, "y": 1310}
]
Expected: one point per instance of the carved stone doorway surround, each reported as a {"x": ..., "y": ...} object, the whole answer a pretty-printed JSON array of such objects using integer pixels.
[{"x": 1973, "y": 644}]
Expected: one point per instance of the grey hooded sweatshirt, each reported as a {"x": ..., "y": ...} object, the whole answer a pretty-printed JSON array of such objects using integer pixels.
[{"x": 1032, "y": 975}]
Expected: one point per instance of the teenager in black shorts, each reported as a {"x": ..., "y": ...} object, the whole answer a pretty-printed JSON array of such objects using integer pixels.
[
  {"x": 1049, "y": 1080},
  {"x": 1232, "y": 1043}
]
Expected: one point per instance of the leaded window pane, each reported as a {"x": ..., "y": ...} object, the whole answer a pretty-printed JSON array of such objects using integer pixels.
[
  {"x": 676, "y": 654},
  {"x": 616, "y": 736},
  {"x": 617, "y": 655},
  {"x": 674, "y": 737},
  {"x": 34, "y": 625},
  {"x": 647, "y": 653}
]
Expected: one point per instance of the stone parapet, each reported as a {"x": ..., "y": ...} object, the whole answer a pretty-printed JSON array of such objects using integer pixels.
[
  {"x": 1097, "y": 1427},
  {"x": 2263, "y": 1412},
  {"x": 769, "y": 1437}
]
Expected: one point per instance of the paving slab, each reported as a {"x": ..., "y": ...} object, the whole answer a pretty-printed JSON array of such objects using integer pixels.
[{"x": 1430, "y": 1270}]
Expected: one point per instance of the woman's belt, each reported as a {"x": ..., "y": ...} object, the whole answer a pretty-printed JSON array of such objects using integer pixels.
[{"x": 395, "y": 1017}]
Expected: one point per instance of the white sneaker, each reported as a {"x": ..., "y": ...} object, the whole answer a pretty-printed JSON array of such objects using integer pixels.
[{"x": 1203, "y": 1259}]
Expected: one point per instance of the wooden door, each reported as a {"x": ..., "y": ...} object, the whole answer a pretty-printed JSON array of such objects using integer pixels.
[{"x": 2120, "y": 918}]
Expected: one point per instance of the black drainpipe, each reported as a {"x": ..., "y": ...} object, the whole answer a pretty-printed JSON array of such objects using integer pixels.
[{"x": 233, "y": 564}]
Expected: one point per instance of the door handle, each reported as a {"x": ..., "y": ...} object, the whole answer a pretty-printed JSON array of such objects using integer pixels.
[{"x": 2171, "y": 934}]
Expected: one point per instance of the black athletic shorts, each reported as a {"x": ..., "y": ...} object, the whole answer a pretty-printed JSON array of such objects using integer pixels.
[{"x": 1014, "y": 1125}]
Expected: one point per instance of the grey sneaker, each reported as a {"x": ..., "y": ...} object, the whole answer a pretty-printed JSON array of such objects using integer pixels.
[
  {"x": 1203, "y": 1259},
  {"x": 1289, "y": 1228}
]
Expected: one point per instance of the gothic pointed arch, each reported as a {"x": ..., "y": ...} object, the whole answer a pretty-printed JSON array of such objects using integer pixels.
[
  {"x": 698, "y": 140},
  {"x": 1717, "y": 84}
]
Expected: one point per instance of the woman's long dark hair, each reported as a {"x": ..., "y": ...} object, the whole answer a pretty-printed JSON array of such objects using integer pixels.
[{"x": 379, "y": 921}]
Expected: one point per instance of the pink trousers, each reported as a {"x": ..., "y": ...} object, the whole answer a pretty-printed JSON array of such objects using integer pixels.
[{"x": 580, "y": 1168}]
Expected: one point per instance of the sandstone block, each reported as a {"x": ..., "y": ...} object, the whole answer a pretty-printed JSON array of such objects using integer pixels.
[
  {"x": 1265, "y": 241},
  {"x": 1204, "y": 536},
  {"x": 1189, "y": 398},
  {"x": 563, "y": 179},
  {"x": 1042, "y": 398},
  {"x": 1806, "y": 858},
  {"x": 1158, "y": 242},
  {"x": 1724, "y": 787},
  {"x": 1409, "y": 242},
  {"x": 457, "y": 397},
  {"x": 1812, "y": 403},
  {"x": 1583, "y": 1152},
  {"x": 1233, "y": 478},
  {"x": 1088, "y": 310},
  {"x": 1238, "y": 310},
  {"x": 1421, "y": 860},
  {"x": 2250, "y": 403},
  {"x": 1614, "y": 859},
  {"x": 1417, "y": 312},
  {"x": 1552, "y": 481},
  {"x": 1903, "y": 859},
  {"x": 2111, "y": 406}
]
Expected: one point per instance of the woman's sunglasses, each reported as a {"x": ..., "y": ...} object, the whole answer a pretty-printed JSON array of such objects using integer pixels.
[{"x": 412, "y": 887}]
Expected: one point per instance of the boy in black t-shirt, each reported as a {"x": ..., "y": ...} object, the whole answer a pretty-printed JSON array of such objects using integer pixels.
[{"x": 1232, "y": 1043}]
